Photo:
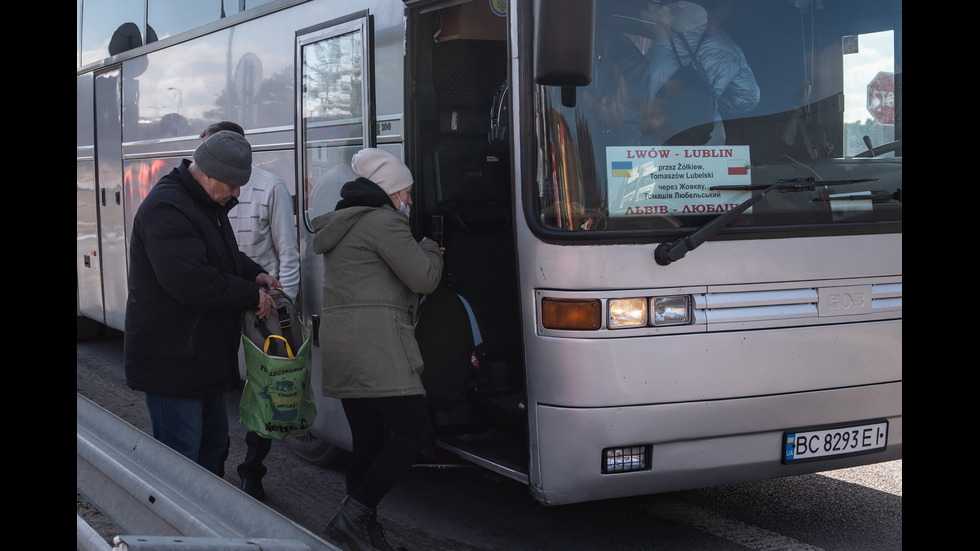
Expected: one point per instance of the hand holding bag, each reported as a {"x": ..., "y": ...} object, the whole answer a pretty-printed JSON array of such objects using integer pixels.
[{"x": 277, "y": 400}]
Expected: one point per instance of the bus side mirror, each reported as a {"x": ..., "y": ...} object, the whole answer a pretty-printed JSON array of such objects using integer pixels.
[{"x": 564, "y": 39}]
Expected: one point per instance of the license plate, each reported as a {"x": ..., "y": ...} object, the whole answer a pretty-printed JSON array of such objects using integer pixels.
[{"x": 825, "y": 443}]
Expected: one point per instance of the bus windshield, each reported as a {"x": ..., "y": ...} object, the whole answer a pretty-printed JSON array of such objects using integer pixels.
[{"x": 694, "y": 107}]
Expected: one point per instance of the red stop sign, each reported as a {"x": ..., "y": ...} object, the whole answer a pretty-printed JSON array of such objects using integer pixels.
[{"x": 881, "y": 98}]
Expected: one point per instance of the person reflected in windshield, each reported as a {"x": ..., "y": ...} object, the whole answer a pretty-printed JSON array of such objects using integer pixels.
[
  {"x": 622, "y": 74},
  {"x": 698, "y": 76}
]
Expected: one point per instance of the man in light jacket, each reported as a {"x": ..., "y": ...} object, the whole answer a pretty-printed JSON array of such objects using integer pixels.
[{"x": 265, "y": 229}]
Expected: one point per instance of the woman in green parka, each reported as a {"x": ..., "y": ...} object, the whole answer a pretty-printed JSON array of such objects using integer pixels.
[{"x": 374, "y": 272}]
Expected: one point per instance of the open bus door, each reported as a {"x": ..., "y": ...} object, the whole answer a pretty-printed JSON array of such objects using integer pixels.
[
  {"x": 457, "y": 69},
  {"x": 456, "y": 61},
  {"x": 334, "y": 120},
  {"x": 456, "y": 65}
]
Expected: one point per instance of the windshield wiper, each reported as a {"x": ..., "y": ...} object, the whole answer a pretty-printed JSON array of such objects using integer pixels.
[{"x": 670, "y": 252}]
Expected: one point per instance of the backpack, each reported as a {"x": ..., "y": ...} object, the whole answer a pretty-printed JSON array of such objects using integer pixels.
[
  {"x": 451, "y": 346},
  {"x": 499, "y": 113},
  {"x": 687, "y": 102},
  {"x": 282, "y": 324}
]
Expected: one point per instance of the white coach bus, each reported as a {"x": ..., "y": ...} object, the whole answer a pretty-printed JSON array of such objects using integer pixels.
[{"x": 677, "y": 225}]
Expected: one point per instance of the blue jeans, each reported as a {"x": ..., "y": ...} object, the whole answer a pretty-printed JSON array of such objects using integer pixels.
[{"x": 197, "y": 428}]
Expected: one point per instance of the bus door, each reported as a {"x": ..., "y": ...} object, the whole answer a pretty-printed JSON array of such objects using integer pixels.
[
  {"x": 88, "y": 269},
  {"x": 107, "y": 223},
  {"x": 463, "y": 197},
  {"x": 334, "y": 121}
]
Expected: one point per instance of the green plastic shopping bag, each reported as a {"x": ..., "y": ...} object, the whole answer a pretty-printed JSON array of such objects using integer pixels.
[{"x": 278, "y": 399}]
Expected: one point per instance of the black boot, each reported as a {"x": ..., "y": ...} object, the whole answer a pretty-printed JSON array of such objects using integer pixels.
[
  {"x": 351, "y": 525},
  {"x": 253, "y": 487}
]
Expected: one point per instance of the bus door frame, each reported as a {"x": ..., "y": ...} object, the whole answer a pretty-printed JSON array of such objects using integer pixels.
[{"x": 336, "y": 141}]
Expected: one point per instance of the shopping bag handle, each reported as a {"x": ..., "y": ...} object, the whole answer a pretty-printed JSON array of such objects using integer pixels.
[{"x": 289, "y": 351}]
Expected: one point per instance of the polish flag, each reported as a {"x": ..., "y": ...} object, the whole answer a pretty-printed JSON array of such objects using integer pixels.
[{"x": 738, "y": 168}]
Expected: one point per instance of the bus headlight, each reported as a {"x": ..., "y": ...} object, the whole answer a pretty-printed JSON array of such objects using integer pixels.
[
  {"x": 671, "y": 310},
  {"x": 627, "y": 312}
]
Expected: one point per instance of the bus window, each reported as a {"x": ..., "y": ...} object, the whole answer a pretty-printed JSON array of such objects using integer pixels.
[
  {"x": 109, "y": 29},
  {"x": 869, "y": 94},
  {"x": 692, "y": 106},
  {"x": 333, "y": 121}
]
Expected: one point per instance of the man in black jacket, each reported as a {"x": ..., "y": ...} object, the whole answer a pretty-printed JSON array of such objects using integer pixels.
[{"x": 189, "y": 286}]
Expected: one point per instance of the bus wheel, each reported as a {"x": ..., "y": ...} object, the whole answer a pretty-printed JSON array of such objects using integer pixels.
[{"x": 312, "y": 450}]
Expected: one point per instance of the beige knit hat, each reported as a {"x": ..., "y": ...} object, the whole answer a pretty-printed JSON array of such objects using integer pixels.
[{"x": 382, "y": 168}]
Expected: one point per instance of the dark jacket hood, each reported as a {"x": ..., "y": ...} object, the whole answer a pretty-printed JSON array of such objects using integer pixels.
[{"x": 362, "y": 193}]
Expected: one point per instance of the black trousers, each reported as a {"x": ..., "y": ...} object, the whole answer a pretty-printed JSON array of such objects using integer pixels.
[
  {"x": 387, "y": 436},
  {"x": 257, "y": 447}
]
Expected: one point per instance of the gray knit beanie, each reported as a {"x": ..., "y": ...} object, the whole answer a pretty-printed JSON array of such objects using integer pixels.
[
  {"x": 382, "y": 168},
  {"x": 225, "y": 156}
]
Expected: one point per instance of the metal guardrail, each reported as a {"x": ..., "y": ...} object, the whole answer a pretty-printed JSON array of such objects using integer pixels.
[{"x": 167, "y": 500}]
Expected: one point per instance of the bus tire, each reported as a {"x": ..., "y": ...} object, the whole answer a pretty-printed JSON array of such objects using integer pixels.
[{"x": 315, "y": 451}]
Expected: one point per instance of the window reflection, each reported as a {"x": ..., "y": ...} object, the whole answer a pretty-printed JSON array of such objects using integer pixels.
[
  {"x": 332, "y": 114},
  {"x": 171, "y": 17},
  {"x": 332, "y": 78},
  {"x": 111, "y": 27}
]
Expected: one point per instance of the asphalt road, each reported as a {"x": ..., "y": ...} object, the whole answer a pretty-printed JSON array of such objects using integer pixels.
[{"x": 468, "y": 509}]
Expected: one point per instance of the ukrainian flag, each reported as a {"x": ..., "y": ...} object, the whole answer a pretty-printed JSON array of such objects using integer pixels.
[{"x": 622, "y": 168}]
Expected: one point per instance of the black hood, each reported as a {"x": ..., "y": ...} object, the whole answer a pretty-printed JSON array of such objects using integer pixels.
[{"x": 362, "y": 193}]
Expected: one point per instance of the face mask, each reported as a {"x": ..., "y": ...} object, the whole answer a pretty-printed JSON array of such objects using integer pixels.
[{"x": 403, "y": 208}]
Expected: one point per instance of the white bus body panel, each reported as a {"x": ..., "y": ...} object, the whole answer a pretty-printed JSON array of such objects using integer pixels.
[
  {"x": 697, "y": 444},
  {"x": 731, "y": 389}
]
